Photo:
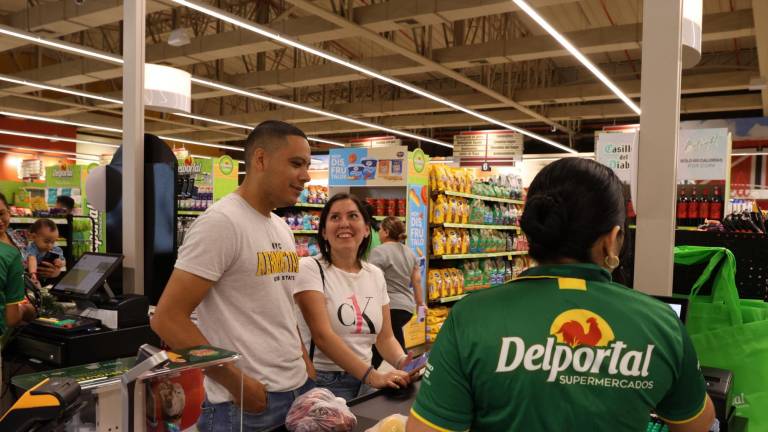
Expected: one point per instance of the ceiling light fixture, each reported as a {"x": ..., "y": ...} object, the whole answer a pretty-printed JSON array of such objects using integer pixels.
[
  {"x": 59, "y": 89},
  {"x": 576, "y": 53},
  {"x": 266, "y": 32},
  {"x": 57, "y": 44},
  {"x": 757, "y": 153},
  {"x": 54, "y": 138},
  {"x": 283, "y": 102},
  {"x": 187, "y": 141},
  {"x": 65, "y": 46},
  {"x": 248, "y": 127},
  {"x": 60, "y": 152},
  {"x": 57, "y": 121}
]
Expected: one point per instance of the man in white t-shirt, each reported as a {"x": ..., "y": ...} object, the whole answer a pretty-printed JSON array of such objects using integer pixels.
[{"x": 235, "y": 268}]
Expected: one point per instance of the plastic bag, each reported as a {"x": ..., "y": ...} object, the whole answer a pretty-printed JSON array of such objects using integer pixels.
[
  {"x": 393, "y": 423},
  {"x": 318, "y": 410}
]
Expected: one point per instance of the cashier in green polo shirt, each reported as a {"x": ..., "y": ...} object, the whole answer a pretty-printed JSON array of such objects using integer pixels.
[{"x": 562, "y": 347}]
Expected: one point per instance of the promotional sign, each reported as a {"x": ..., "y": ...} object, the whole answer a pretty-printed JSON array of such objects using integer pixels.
[
  {"x": 488, "y": 146},
  {"x": 382, "y": 141},
  {"x": 417, "y": 209},
  {"x": 225, "y": 172},
  {"x": 618, "y": 151},
  {"x": 384, "y": 166},
  {"x": 703, "y": 154}
]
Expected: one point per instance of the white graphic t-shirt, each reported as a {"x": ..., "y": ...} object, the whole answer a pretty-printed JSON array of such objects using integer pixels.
[
  {"x": 252, "y": 260},
  {"x": 353, "y": 301}
]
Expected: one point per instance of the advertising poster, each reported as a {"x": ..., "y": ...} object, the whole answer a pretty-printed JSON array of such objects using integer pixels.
[
  {"x": 368, "y": 166},
  {"x": 476, "y": 147},
  {"x": 618, "y": 151},
  {"x": 225, "y": 172},
  {"x": 703, "y": 154},
  {"x": 417, "y": 208}
]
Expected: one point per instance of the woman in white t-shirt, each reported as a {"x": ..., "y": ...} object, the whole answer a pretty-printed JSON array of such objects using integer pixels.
[{"x": 345, "y": 307}]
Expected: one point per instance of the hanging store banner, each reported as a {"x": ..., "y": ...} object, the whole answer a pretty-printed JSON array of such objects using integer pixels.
[
  {"x": 618, "y": 151},
  {"x": 417, "y": 212},
  {"x": 703, "y": 154},
  {"x": 476, "y": 147},
  {"x": 384, "y": 166}
]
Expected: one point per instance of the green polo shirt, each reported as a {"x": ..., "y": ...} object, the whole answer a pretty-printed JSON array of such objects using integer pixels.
[
  {"x": 561, "y": 348},
  {"x": 11, "y": 280}
]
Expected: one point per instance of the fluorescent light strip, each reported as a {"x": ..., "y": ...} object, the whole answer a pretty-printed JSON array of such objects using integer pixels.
[
  {"x": 576, "y": 53},
  {"x": 57, "y": 121},
  {"x": 31, "y": 37},
  {"x": 325, "y": 141},
  {"x": 750, "y": 154},
  {"x": 60, "y": 152},
  {"x": 210, "y": 120},
  {"x": 277, "y": 101},
  {"x": 66, "y": 90},
  {"x": 249, "y": 127},
  {"x": 65, "y": 46},
  {"x": 186, "y": 141},
  {"x": 266, "y": 32},
  {"x": 54, "y": 138}
]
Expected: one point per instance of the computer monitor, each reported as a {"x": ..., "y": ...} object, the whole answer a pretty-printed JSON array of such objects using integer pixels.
[
  {"x": 87, "y": 275},
  {"x": 679, "y": 305}
]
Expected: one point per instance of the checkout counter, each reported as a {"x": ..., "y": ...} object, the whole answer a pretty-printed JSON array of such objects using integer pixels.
[{"x": 103, "y": 327}]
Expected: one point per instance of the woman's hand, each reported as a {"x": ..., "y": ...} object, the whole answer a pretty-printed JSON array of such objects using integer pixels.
[
  {"x": 395, "y": 379},
  {"x": 48, "y": 270}
]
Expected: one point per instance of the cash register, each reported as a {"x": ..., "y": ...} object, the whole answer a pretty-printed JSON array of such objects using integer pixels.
[{"x": 105, "y": 326}]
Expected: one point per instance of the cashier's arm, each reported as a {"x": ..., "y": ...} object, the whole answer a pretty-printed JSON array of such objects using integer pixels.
[
  {"x": 416, "y": 424},
  {"x": 700, "y": 423}
]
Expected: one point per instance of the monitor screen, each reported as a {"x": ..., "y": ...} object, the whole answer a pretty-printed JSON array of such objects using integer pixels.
[
  {"x": 88, "y": 274},
  {"x": 678, "y": 305}
]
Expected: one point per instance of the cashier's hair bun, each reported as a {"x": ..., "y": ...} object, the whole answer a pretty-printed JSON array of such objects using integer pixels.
[{"x": 570, "y": 204}]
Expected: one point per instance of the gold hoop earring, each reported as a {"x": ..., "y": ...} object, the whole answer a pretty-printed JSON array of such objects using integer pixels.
[{"x": 612, "y": 261}]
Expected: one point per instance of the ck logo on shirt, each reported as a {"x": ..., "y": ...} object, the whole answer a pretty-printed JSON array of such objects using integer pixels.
[{"x": 351, "y": 314}]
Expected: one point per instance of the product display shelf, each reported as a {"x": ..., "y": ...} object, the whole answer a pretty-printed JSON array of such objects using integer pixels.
[
  {"x": 450, "y": 299},
  {"x": 381, "y": 218},
  {"x": 678, "y": 228},
  {"x": 189, "y": 212},
  {"x": 478, "y": 226},
  {"x": 307, "y": 205},
  {"x": 307, "y": 232},
  {"x": 480, "y": 197},
  {"x": 31, "y": 220},
  {"x": 480, "y": 255}
]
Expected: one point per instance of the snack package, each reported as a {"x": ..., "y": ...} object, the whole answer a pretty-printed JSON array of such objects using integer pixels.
[
  {"x": 433, "y": 284},
  {"x": 318, "y": 410},
  {"x": 453, "y": 241},
  {"x": 464, "y": 241},
  {"x": 450, "y": 215},
  {"x": 438, "y": 242},
  {"x": 448, "y": 288},
  {"x": 393, "y": 423},
  {"x": 440, "y": 210}
]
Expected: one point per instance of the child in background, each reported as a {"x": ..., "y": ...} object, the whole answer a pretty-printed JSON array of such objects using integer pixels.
[{"x": 43, "y": 234}]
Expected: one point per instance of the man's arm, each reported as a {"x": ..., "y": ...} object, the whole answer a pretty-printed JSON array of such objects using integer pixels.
[
  {"x": 172, "y": 323},
  {"x": 700, "y": 423}
]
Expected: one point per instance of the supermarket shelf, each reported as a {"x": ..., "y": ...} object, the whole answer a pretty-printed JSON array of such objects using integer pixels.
[
  {"x": 479, "y": 255},
  {"x": 450, "y": 299},
  {"x": 480, "y": 197},
  {"x": 308, "y": 205},
  {"x": 381, "y": 218},
  {"x": 62, "y": 242},
  {"x": 304, "y": 231},
  {"x": 189, "y": 212},
  {"x": 30, "y": 220},
  {"x": 679, "y": 228},
  {"x": 479, "y": 226}
]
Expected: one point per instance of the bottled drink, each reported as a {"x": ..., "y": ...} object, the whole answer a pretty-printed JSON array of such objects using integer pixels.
[
  {"x": 682, "y": 207},
  {"x": 693, "y": 209},
  {"x": 716, "y": 205},
  {"x": 704, "y": 206}
]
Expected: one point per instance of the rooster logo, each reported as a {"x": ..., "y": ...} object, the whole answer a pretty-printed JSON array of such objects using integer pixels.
[{"x": 581, "y": 327}]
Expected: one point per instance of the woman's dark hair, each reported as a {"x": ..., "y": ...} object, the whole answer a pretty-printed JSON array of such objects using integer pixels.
[
  {"x": 4, "y": 200},
  {"x": 369, "y": 212},
  {"x": 395, "y": 228},
  {"x": 42, "y": 223},
  {"x": 325, "y": 247},
  {"x": 570, "y": 204}
]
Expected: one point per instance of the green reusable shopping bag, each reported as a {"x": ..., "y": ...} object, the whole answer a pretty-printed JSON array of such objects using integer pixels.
[{"x": 729, "y": 333}]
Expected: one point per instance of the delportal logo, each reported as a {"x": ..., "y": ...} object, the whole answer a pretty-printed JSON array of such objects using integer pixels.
[
  {"x": 582, "y": 346},
  {"x": 581, "y": 327}
]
